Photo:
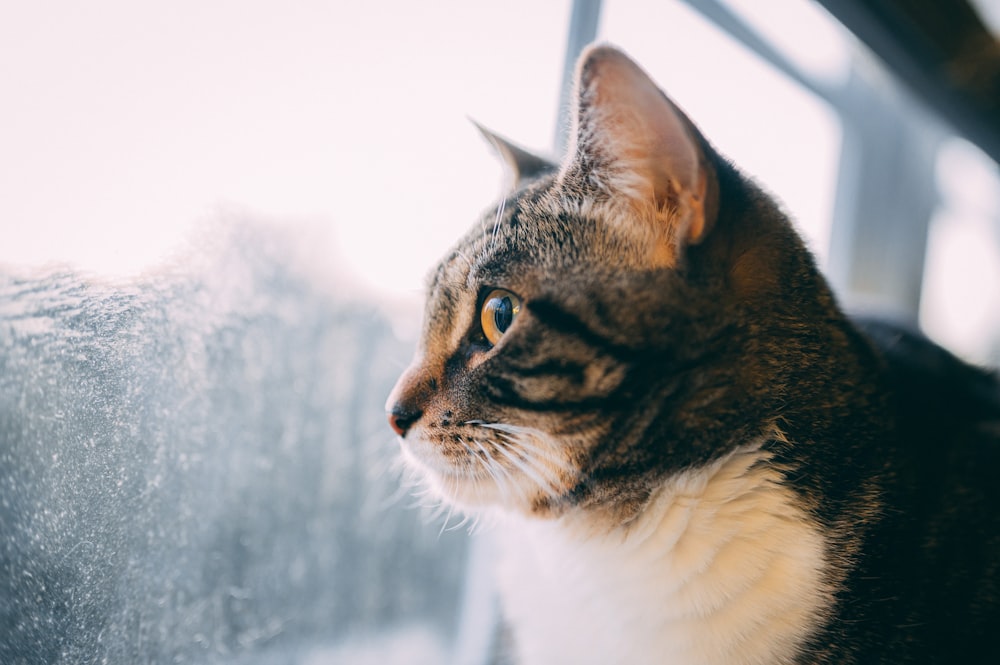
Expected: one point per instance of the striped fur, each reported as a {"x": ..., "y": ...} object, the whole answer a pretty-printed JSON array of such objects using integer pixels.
[{"x": 677, "y": 353}]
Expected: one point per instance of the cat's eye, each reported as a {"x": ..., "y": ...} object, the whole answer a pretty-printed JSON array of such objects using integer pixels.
[{"x": 500, "y": 308}]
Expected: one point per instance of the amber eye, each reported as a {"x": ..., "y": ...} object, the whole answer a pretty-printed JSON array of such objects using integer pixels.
[{"x": 499, "y": 311}]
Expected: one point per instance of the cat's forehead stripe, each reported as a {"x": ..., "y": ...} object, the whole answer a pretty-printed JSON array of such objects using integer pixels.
[{"x": 451, "y": 307}]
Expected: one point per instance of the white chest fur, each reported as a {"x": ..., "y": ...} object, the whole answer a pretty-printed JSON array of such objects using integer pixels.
[{"x": 721, "y": 567}]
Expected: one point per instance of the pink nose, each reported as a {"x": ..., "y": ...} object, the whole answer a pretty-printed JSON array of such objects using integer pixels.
[
  {"x": 400, "y": 419},
  {"x": 408, "y": 398}
]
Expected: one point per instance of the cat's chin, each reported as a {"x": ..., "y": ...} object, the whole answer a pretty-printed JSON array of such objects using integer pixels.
[{"x": 468, "y": 490}]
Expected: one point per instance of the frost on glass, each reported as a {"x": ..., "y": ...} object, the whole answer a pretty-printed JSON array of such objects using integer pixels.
[{"x": 193, "y": 469}]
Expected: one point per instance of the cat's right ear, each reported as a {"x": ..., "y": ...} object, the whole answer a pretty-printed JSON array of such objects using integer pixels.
[
  {"x": 632, "y": 147},
  {"x": 522, "y": 166}
]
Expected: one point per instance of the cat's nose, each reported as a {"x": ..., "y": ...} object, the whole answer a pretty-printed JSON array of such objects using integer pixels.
[
  {"x": 407, "y": 402},
  {"x": 400, "y": 419}
]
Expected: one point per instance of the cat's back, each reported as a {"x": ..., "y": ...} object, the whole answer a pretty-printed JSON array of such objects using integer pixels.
[
  {"x": 947, "y": 414},
  {"x": 931, "y": 384},
  {"x": 937, "y": 554}
]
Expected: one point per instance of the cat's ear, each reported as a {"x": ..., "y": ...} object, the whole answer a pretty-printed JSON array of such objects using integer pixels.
[
  {"x": 630, "y": 142},
  {"x": 522, "y": 165}
]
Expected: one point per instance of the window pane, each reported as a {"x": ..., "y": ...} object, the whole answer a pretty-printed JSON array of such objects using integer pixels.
[
  {"x": 241, "y": 200},
  {"x": 194, "y": 469},
  {"x": 960, "y": 307}
]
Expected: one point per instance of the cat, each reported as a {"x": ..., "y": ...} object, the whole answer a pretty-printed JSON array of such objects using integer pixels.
[{"x": 695, "y": 455}]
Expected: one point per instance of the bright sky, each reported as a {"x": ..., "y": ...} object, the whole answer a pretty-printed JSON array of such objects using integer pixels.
[{"x": 126, "y": 125}]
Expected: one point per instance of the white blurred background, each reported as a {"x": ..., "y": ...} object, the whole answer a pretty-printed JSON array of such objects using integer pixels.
[{"x": 125, "y": 126}]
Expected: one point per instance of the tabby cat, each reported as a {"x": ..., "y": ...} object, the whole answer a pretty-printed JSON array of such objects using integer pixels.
[{"x": 696, "y": 456}]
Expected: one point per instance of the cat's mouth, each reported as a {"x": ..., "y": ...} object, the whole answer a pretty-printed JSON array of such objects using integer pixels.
[
  {"x": 440, "y": 456},
  {"x": 479, "y": 464}
]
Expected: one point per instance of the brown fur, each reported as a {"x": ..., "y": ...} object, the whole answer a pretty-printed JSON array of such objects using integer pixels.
[{"x": 671, "y": 315}]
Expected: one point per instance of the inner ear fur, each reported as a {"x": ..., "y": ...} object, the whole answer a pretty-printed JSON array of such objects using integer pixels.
[{"x": 632, "y": 142}]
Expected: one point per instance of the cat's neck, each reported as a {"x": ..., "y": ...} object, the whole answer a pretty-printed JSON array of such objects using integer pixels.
[{"x": 721, "y": 566}]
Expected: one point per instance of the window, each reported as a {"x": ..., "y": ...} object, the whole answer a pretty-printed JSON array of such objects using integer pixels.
[{"x": 216, "y": 218}]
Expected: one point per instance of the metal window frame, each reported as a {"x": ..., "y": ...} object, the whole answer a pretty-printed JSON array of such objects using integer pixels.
[{"x": 886, "y": 191}]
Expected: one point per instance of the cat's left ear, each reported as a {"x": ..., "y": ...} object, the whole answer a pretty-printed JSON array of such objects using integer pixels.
[
  {"x": 522, "y": 165},
  {"x": 633, "y": 145}
]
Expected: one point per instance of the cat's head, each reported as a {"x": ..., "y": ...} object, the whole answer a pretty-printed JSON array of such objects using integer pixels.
[{"x": 586, "y": 336}]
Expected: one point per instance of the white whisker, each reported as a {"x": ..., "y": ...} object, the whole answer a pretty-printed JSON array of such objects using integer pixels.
[
  {"x": 462, "y": 522},
  {"x": 467, "y": 260},
  {"x": 444, "y": 526},
  {"x": 533, "y": 471},
  {"x": 496, "y": 221},
  {"x": 535, "y": 461},
  {"x": 528, "y": 439},
  {"x": 533, "y": 450},
  {"x": 495, "y": 467}
]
